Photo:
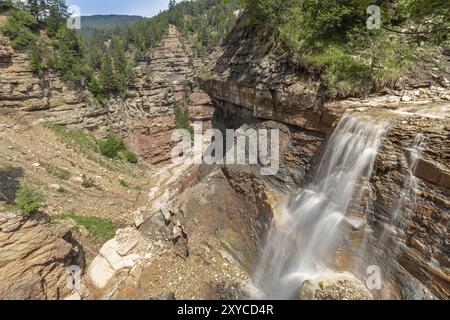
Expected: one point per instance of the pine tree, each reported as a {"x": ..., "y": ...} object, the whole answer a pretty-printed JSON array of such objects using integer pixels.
[
  {"x": 120, "y": 64},
  {"x": 107, "y": 80},
  {"x": 33, "y": 8}
]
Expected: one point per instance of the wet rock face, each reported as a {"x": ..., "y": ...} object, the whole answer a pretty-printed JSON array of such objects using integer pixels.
[
  {"x": 410, "y": 225},
  {"x": 244, "y": 75},
  {"x": 34, "y": 258}
]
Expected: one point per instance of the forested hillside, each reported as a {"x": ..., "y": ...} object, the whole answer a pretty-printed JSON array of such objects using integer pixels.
[
  {"x": 328, "y": 40},
  {"x": 103, "y": 57},
  {"x": 107, "y": 21}
]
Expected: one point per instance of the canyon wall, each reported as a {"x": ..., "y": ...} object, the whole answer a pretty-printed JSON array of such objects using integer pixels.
[
  {"x": 144, "y": 116},
  {"x": 414, "y": 244},
  {"x": 164, "y": 79},
  {"x": 251, "y": 87}
]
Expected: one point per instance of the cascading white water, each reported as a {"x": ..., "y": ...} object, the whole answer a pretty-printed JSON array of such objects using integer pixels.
[{"x": 300, "y": 245}]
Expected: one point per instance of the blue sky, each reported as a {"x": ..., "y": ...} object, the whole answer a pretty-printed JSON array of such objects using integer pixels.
[{"x": 146, "y": 8}]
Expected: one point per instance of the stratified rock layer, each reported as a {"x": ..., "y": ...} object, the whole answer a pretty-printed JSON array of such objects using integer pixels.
[
  {"x": 410, "y": 224},
  {"x": 62, "y": 102},
  {"x": 34, "y": 258},
  {"x": 165, "y": 78}
]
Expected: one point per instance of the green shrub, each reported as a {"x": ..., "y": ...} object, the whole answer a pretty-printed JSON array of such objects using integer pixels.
[
  {"x": 94, "y": 87},
  {"x": 6, "y": 4},
  {"x": 330, "y": 40},
  {"x": 87, "y": 182},
  {"x": 62, "y": 190},
  {"x": 20, "y": 28},
  {"x": 29, "y": 200},
  {"x": 62, "y": 174},
  {"x": 35, "y": 63},
  {"x": 111, "y": 146},
  {"x": 182, "y": 119},
  {"x": 130, "y": 156},
  {"x": 81, "y": 139},
  {"x": 100, "y": 229},
  {"x": 191, "y": 63},
  {"x": 124, "y": 183}
]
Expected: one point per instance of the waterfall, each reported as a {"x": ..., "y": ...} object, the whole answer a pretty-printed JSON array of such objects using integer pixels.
[{"x": 303, "y": 240}]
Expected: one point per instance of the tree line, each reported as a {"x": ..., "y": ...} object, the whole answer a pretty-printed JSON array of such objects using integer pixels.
[{"x": 103, "y": 58}]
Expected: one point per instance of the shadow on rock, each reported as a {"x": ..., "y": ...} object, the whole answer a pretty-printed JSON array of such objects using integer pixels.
[{"x": 9, "y": 184}]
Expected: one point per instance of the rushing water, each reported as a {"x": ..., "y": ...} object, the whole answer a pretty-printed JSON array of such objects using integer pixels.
[{"x": 300, "y": 245}]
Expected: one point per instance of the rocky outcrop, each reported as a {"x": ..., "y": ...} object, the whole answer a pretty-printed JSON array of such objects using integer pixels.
[
  {"x": 35, "y": 257},
  {"x": 119, "y": 260},
  {"x": 62, "y": 102},
  {"x": 244, "y": 73},
  {"x": 250, "y": 85},
  {"x": 5, "y": 54}
]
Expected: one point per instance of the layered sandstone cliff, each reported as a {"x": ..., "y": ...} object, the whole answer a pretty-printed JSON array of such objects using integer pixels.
[{"x": 20, "y": 90}]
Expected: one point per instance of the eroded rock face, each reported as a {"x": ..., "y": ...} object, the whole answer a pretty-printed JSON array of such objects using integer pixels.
[
  {"x": 242, "y": 73},
  {"x": 34, "y": 258},
  {"x": 66, "y": 103},
  {"x": 410, "y": 215}
]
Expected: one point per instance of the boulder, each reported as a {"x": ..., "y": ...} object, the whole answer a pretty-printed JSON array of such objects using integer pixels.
[
  {"x": 337, "y": 287},
  {"x": 116, "y": 259},
  {"x": 139, "y": 218}
]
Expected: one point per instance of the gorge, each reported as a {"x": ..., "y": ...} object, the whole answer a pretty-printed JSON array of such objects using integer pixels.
[{"x": 359, "y": 208}]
